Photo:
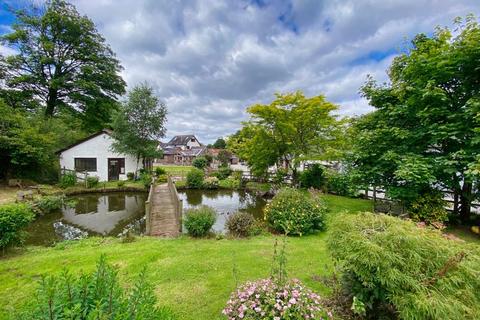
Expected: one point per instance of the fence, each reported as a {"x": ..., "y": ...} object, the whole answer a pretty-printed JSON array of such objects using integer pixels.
[
  {"x": 148, "y": 208},
  {"x": 82, "y": 176},
  {"x": 177, "y": 202}
]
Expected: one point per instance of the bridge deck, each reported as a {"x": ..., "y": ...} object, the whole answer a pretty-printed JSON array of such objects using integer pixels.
[{"x": 164, "y": 220}]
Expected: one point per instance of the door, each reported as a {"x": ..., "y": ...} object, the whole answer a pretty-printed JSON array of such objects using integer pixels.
[{"x": 114, "y": 168}]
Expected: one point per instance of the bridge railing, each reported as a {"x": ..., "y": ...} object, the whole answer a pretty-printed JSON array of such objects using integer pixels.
[
  {"x": 148, "y": 209},
  {"x": 178, "y": 203}
]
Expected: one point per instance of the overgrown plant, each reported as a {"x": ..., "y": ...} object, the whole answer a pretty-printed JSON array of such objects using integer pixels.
[
  {"x": 68, "y": 180},
  {"x": 195, "y": 178},
  {"x": 92, "y": 182},
  {"x": 98, "y": 295},
  {"x": 240, "y": 224},
  {"x": 199, "y": 221},
  {"x": 313, "y": 177},
  {"x": 47, "y": 204},
  {"x": 429, "y": 207},
  {"x": 13, "y": 218}
]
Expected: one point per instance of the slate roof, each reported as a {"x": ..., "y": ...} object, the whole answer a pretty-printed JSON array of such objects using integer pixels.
[
  {"x": 181, "y": 140},
  {"x": 193, "y": 152}
]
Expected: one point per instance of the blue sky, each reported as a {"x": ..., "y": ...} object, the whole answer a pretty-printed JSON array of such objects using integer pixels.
[{"x": 210, "y": 59}]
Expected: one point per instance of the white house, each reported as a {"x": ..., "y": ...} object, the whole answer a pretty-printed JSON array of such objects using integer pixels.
[{"x": 94, "y": 155}]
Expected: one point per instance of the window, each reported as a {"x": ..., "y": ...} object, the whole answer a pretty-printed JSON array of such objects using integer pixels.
[{"x": 85, "y": 164}]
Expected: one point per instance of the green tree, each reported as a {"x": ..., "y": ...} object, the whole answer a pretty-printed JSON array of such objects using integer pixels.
[
  {"x": 220, "y": 144},
  {"x": 291, "y": 128},
  {"x": 224, "y": 157},
  {"x": 63, "y": 62},
  {"x": 139, "y": 124},
  {"x": 423, "y": 132}
]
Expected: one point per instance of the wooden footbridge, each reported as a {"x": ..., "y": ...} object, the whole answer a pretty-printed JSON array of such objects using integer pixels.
[{"x": 163, "y": 210}]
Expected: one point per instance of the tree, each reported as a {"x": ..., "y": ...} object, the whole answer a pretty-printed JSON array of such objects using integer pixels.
[
  {"x": 200, "y": 162},
  {"x": 423, "y": 134},
  {"x": 139, "y": 124},
  {"x": 220, "y": 144},
  {"x": 61, "y": 61},
  {"x": 224, "y": 157},
  {"x": 291, "y": 128}
]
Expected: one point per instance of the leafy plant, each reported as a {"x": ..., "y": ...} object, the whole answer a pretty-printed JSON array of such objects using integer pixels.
[
  {"x": 429, "y": 207},
  {"x": 68, "y": 180},
  {"x": 47, "y": 204},
  {"x": 313, "y": 177},
  {"x": 130, "y": 176},
  {"x": 294, "y": 212},
  {"x": 162, "y": 178},
  {"x": 199, "y": 221},
  {"x": 341, "y": 183},
  {"x": 200, "y": 162},
  {"x": 229, "y": 183},
  {"x": 13, "y": 218},
  {"x": 97, "y": 295},
  {"x": 120, "y": 183},
  {"x": 159, "y": 171},
  {"x": 211, "y": 183},
  {"x": 223, "y": 173},
  {"x": 391, "y": 264},
  {"x": 280, "y": 176},
  {"x": 146, "y": 179},
  {"x": 92, "y": 182},
  {"x": 195, "y": 178},
  {"x": 240, "y": 224}
]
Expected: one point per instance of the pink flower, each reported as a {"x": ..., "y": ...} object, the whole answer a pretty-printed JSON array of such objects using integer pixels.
[{"x": 292, "y": 301}]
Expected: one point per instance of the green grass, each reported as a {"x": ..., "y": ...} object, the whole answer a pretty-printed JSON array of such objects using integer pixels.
[
  {"x": 258, "y": 186},
  {"x": 193, "y": 277},
  {"x": 176, "y": 170}
]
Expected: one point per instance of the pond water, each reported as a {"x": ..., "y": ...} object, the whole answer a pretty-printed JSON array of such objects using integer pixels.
[
  {"x": 90, "y": 214},
  {"x": 224, "y": 202}
]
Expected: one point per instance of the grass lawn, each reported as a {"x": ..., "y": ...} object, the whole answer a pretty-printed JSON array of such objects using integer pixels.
[
  {"x": 193, "y": 277},
  {"x": 176, "y": 170}
]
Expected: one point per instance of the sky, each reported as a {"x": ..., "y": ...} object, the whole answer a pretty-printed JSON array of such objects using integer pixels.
[{"x": 210, "y": 59}]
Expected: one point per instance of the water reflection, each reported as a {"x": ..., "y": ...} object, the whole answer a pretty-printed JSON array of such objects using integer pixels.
[{"x": 224, "y": 202}]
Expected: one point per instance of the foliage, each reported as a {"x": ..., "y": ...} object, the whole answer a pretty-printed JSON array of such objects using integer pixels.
[
  {"x": 69, "y": 179},
  {"x": 240, "y": 224},
  {"x": 224, "y": 157},
  {"x": 200, "y": 162},
  {"x": 160, "y": 171},
  {"x": 424, "y": 131},
  {"x": 430, "y": 207},
  {"x": 92, "y": 182},
  {"x": 386, "y": 260},
  {"x": 130, "y": 176},
  {"x": 97, "y": 295},
  {"x": 291, "y": 127},
  {"x": 258, "y": 186},
  {"x": 120, "y": 183},
  {"x": 219, "y": 144},
  {"x": 211, "y": 183},
  {"x": 223, "y": 173},
  {"x": 294, "y": 212},
  {"x": 341, "y": 183},
  {"x": 279, "y": 176},
  {"x": 162, "y": 178},
  {"x": 13, "y": 218},
  {"x": 229, "y": 183},
  {"x": 62, "y": 60},
  {"x": 139, "y": 124},
  {"x": 146, "y": 179},
  {"x": 199, "y": 221},
  {"x": 195, "y": 178},
  {"x": 47, "y": 204},
  {"x": 313, "y": 177}
]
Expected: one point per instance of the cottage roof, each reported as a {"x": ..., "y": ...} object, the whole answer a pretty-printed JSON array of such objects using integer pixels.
[
  {"x": 181, "y": 139},
  {"x": 106, "y": 131},
  {"x": 193, "y": 152}
]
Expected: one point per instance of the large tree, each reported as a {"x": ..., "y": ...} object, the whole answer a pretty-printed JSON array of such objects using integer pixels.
[
  {"x": 424, "y": 133},
  {"x": 139, "y": 124},
  {"x": 293, "y": 127},
  {"x": 62, "y": 61}
]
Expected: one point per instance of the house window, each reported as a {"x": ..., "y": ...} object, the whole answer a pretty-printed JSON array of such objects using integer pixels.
[{"x": 86, "y": 164}]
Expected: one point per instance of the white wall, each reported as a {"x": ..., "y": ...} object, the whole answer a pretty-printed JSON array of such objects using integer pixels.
[
  {"x": 98, "y": 147},
  {"x": 191, "y": 144}
]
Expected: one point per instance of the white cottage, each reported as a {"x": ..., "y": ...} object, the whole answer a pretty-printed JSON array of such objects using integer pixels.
[{"x": 95, "y": 156}]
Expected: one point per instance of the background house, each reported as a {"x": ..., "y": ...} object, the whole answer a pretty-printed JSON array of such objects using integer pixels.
[
  {"x": 182, "y": 150},
  {"x": 94, "y": 155}
]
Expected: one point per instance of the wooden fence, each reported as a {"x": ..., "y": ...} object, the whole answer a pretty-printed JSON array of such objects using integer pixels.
[
  {"x": 148, "y": 208},
  {"x": 82, "y": 176},
  {"x": 178, "y": 203}
]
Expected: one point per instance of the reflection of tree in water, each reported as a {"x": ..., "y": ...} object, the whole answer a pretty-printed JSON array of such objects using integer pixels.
[
  {"x": 215, "y": 194},
  {"x": 194, "y": 197},
  {"x": 251, "y": 203}
]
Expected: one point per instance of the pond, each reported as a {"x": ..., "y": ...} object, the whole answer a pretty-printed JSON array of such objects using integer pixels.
[
  {"x": 224, "y": 202},
  {"x": 88, "y": 215}
]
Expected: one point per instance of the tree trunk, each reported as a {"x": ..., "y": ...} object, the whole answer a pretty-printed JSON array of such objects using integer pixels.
[
  {"x": 466, "y": 201},
  {"x": 51, "y": 102}
]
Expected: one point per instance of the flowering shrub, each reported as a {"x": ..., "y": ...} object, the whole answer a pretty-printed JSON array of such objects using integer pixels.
[
  {"x": 266, "y": 299},
  {"x": 210, "y": 183}
]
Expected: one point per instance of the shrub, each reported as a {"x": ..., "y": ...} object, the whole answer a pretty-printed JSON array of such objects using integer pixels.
[
  {"x": 387, "y": 261},
  {"x": 279, "y": 176},
  {"x": 195, "y": 178},
  {"x": 162, "y": 178},
  {"x": 92, "y": 182},
  {"x": 430, "y": 207},
  {"x": 13, "y": 218},
  {"x": 98, "y": 295},
  {"x": 180, "y": 184},
  {"x": 68, "y": 180},
  {"x": 146, "y": 179},
  {"x": 240, "y": 224},
  {"x": 313, "y": 177},
  {"x": 210, "y": 183},
  {"x": 48, "y": 204},
  {"x": 199, "y": 221},
  {"x": 159, "y": 171},
  {"x": 223, "y": 173},
  {"x": 341, "y": 184},
  {"x": 294, "y": 212},
  {"x": 200, "y": 163},
  {"x": 229, "y": 183},
  {"x": 130, "y": 176},
  {"x": 120, "y": 183},
  {"x": 237, "y": 175}
]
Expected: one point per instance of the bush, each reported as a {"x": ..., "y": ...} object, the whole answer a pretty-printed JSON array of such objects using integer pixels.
[
  {"x": 294, "y": 212},
  {"x": 162, "y": 178},
  {"x": 200, "y": 163},
  {"x": 313, "y": 177},
  {"x": 341, "y": 184},
  {"x": 160, "y": 171},
  {"x": 389, "y": 263},
  {"x": 130, "y": 176},
  {"x": 195, "y": 178},
  {"x": 120, "y": 183},
  {"x": 199, "y": 221},
  {"x": 13, "y": 218},
  {"x": 92, "y": 182},
  {"x": 210, "y": 183},
  {"x": 68, "y": 180},
  {"x": 223, "y": 173},
  {"x": 240, "y": 224},
  {"x": 48, "y": 204},
  {"x": 146, "y": 179},
  {"x": 98, "y": 295},
  {"x": 229, "y": 183},
  {"x": 430, "y": 207}
]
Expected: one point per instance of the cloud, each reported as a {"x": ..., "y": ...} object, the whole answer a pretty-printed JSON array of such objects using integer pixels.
[{"x": 210, "y": 59}]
